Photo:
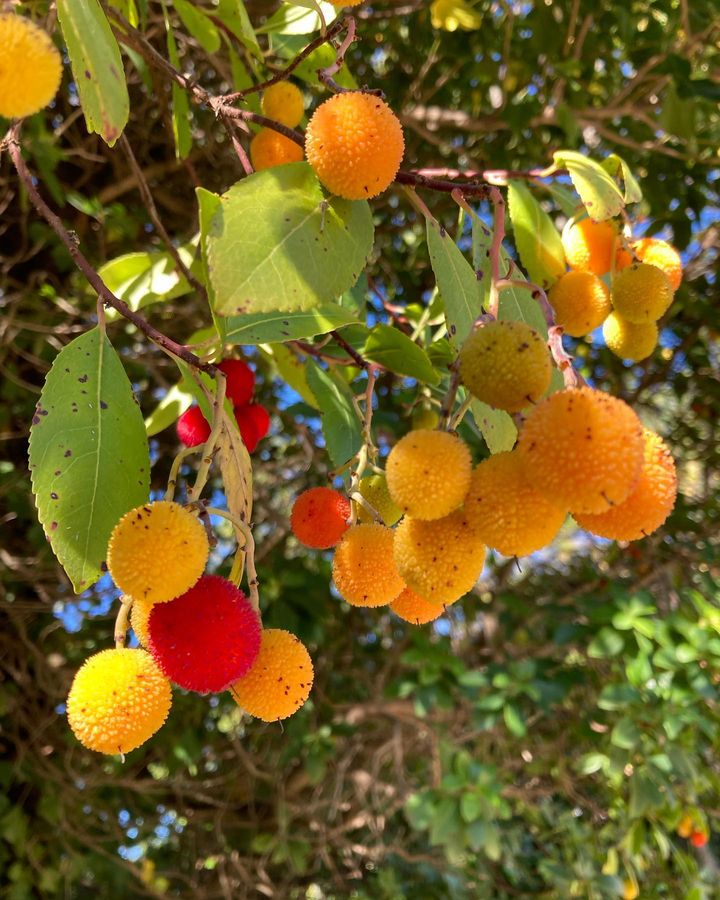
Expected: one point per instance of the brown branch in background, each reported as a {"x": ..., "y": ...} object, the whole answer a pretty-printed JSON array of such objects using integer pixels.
[
  {"x": 11, "y": 141},
  {"x": 415, "y": 179},
  {"x": 351, "y": 351},
  {"x": 220, "y": 107},
  {"x": 147, "y": 197}
]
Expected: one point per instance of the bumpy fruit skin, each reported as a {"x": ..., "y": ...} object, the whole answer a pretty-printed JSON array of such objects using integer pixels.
[
  {"x": 628, "y": 340},
  {"x": 589, "y": 246},
  {"x": 279, "y": 681},
  {"x": 581, "y": 302},
  {"x": 364, "y": 570},
  {"x": 30, "y": 67},
  {"x": 118, "y": 699},
  {"x": 428, "y": 473},
  {"x": 654, "y": 252},
  {"x": 319, "y": 517},
  {"x": 206, "y": 638},
  {"x": 239, "y": 381},
  {"x": 157, "y": 551},
  {"x": 375, "y": 490},
  {"x": 649, "y": 503},
  {"x": 506, "y": 364},
  {"x": 139, "y": 615},
  {"x": 284, "y": 103},
  {"x": 269, "y": 149},
  {"x": 355, "y": 144},
  {"x": 583, "y": 449},
  {"x": 439, "y": 560},
  {"x": 192, "y": 427},
  {"x": 413, "y": 608},
  {"x": 641, "y": 293},
  {"x": 507, "y": 511}
]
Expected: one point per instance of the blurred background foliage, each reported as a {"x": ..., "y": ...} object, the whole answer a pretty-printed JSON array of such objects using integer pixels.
[{"x": 545, "y": 737}]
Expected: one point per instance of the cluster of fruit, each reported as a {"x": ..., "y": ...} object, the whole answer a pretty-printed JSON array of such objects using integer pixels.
[
  {"x": 253, "y": 419},
  {"x": 687, "y": 828},
  {"x": 644, "y": 275},
  {"x": 580, "y": 451},
  {"x": 197, "y": 631}
]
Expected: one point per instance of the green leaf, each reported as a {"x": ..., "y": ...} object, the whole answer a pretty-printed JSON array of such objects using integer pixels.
[
  {"x": 180, "y": 100},
  {"x": 592, "y": 762},
  {"x": 295, "y": 19},
  {"x": 233, "y": 14},
  {"x": 292, "y": 370},
  {"x": 645, "y": 796},
  {"x": 615, "y": 165},
  {"x": 199, "y": 25},
  {"x": 471, "y": 805},
  {"x": 536, "y": 237},
  {"x": 602, "y": 197},
  {"x": 141, "y": 279},
  {"x": 514, "y": 720},
  {"x": 340, "y": 424},
  {"x": 97, "y": 67},
  {"x": 89, "y": 457},
  {"x": 168, "y": 410},
  {"x": 269, "y": 328},
  {"x": 275, "y": 243},
  {"x": 625, "y": 734},
  {"x": 208, "y": 205},
  {"x": 606, "y": 643},
  {"x": 289, "y": 46},
  {"x": 389, "y": 347}
]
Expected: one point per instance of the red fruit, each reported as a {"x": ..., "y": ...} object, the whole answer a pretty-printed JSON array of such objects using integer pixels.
[
  {"x": 255, "y": 419},
  {"x": 240, "y": 381},
  {"x": 207, "y": 637},
  {"x": 699, "y": 838},
  {"x": 319, "y": 517},
  {"x": 192, "y": 427},
  {"x": 248, "y": 429}
]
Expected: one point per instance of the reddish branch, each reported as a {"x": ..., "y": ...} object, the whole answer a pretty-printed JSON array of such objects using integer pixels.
[{"x": 95, "y": 281}]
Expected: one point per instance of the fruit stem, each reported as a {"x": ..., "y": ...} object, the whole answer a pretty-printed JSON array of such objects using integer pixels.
[
  {"x": 449, "y": 398},
  {"x": 121, "y": 622},
  {"x": 325, "y": 75},
  {"x": 460, "y": 414},
  {"x": 175, "y": 470},
  {"x": 209, "y": 445},
  {"x": 248, "y": 550},
  {"x": 498, "y": 203},
  {"x": 357, "y": 497}
]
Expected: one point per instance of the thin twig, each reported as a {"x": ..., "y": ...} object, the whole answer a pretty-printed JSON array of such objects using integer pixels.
[
  {"x": 95, "y": 281},
  {"x": 326, "y": 75},
  {"x": 249, "y": 550},
  {"x": 351, "y": 351}
]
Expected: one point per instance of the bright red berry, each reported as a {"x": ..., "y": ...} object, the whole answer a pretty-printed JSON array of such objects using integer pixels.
[
  {"x": 206, "y": 638},
  {"x": 258, "y": 415},
  {"x": 192, "y": 427},
  {"x": 247, "y": 427},
  {"x": 699, "y": 838},
  {"x": 240, "y": 381}
]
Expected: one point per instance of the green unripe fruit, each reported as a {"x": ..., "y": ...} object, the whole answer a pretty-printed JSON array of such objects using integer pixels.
[
  {"x": 425, "y": 417},
  {"x": 375, "y": 490},
  {"x": 506, "y": 364},
  {"x": 629, "y": 340}
]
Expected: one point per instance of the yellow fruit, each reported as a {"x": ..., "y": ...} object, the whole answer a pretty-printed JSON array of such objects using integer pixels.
[
  {"x": 583, "y": 449},
  {"x": 630, "y": 890},
  {"x": 439, "y": 560},
  {"x": 628, "y": 340},
  {"x": 364, "y": 569},
  {"x": 414, "y": 609},
  {"x": 30, "y": 67},
  {"x": 649, "y": 503},
  {"x": 654, "y": 252},
  {"x": 118, "y": 699},
  {"x": 686, "y": 826},
  {"x": 428, "y": 473},
  {"x": 279, "y": 681},
  {"x": 157, "y": 551},
  {"x": 354, "y": 142},
  {"x": 506, "y": 510},
  {"x": 581, "y": 302},
  {"x": 641, "y": 293},
  {"x": 346, "y": 2},
  {"x": 374, "y": 489},
  {"x": 284, "y": 103},
  {"x": 590, "y": 246},
  {"x": 425, "y": 417},
  {"x": 506, "y": 364},
  {"x": 269, "y": 149},
  {"x": 139, "y": 615}
]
